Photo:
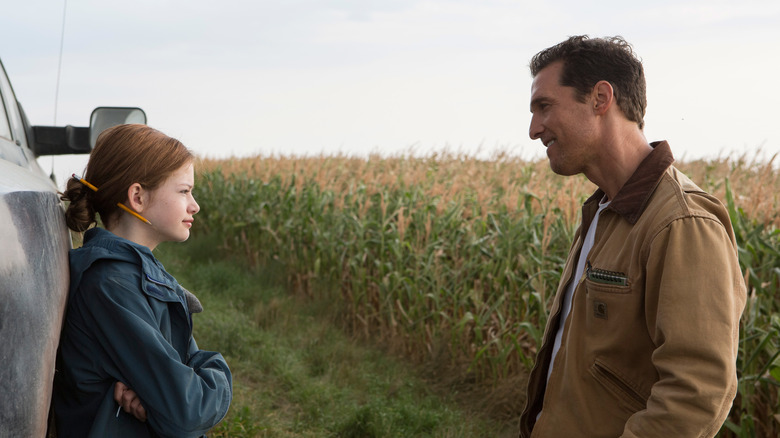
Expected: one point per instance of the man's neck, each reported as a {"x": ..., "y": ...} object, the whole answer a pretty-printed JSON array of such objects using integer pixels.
[{"x": 621, "y": 157}]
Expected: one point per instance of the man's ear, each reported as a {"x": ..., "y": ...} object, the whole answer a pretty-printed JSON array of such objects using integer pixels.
[
  {"x": 137, "y": 197},
  {"x": 603, "y": 96}
]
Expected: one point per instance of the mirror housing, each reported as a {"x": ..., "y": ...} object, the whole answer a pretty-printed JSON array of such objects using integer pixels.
[
  {"x": 55, "y": 140},
  {"x": 62, "y": 140},
  {"x": 105, "y": 117}
]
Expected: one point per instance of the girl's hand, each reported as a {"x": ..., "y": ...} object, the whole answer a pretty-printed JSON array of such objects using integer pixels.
[{"x": 129, "y": 401}]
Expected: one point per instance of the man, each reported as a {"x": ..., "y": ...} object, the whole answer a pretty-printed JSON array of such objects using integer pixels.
[{"x": 642, "y": 337}]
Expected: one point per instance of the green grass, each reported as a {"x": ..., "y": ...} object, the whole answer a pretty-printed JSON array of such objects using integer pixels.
[{"x": 296, "y": 373}]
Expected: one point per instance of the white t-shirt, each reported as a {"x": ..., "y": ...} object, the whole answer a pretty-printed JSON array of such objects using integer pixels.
[{"x": 587, "y": 244}]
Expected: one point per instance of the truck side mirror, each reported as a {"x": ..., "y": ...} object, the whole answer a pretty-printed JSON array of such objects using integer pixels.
[
  {"x": 59, "y": 140},
  {"x": 103, "y": 118}
]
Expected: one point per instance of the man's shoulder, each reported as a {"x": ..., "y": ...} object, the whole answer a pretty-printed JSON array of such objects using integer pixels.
[{"x": 677, "y": 197}]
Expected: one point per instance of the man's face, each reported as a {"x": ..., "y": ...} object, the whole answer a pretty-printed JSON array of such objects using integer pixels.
[{"x": 564, "y": 124}]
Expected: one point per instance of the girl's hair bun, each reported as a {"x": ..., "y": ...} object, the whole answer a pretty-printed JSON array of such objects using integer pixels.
[{"x": 79, "y": 215}]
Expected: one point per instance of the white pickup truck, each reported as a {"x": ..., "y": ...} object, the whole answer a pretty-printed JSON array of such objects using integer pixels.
[{"x": 34, "y": 244}]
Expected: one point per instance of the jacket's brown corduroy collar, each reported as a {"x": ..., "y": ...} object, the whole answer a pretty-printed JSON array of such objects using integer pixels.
[{"x": 632, "y": 198}]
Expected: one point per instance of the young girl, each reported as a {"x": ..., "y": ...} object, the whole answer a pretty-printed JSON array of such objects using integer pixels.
[{"x": 128, "y": 365}]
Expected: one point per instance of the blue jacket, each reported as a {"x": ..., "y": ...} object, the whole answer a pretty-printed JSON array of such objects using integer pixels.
[{"x": 127, "y": 320}]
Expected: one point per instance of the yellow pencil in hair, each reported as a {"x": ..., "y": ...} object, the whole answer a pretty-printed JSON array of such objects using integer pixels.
[
  {"x": 83, "y": 181},
  {"x": 125, "y": 208}
]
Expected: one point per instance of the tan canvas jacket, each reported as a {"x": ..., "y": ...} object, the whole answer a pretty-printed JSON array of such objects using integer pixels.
[{"x": 650, "y": 346}]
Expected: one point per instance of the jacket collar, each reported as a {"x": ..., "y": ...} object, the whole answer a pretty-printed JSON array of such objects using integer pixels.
[
  {"x": 632, "y": 198},
  {"x": 100, "y": 244}
]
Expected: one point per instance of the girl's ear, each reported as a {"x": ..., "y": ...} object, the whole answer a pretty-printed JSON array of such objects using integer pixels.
[{"x": 137, "y": 197}]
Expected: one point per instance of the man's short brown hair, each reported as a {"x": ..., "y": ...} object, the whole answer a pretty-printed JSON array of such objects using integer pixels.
[{"x": 587, "y": 61}]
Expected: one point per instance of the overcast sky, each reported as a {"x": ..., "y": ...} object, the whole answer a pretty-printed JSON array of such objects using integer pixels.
[{"x": 300, "y": 77}]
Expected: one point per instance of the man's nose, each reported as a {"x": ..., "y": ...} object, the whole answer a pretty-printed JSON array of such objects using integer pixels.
[{"x": 536, "y": 128}]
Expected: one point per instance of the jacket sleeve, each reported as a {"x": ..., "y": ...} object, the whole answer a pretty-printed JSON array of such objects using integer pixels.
[
  {"x": 694, "y": 299},
  {"x": 183, "y": 396}
]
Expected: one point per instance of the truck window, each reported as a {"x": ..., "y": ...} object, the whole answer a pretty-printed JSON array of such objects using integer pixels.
[
  {"x": 5, "y": 128},
  {"x": 10, "y": 124},
  {"x": 9, "y": 150}
]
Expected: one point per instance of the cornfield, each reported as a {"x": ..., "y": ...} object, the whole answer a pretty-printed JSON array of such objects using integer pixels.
[{"x": 448, "y": 255}]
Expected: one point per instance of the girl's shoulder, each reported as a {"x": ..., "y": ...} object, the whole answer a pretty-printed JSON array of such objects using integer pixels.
[
  {"x": 116, "y": 280},
  {"x": 102, "y": 269}
]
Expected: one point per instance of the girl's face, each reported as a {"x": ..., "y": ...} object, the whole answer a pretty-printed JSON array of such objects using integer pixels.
[{"x": 172, "y": 207}]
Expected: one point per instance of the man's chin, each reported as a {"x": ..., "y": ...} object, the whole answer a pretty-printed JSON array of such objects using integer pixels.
[{"x": 562, "y": 170}]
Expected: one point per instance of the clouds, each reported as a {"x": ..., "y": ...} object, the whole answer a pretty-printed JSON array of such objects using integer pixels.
[{"x": 304, "y": 76}]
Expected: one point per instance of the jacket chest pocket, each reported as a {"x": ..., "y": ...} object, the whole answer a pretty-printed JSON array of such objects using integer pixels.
[{"x": 606, "y": 301}]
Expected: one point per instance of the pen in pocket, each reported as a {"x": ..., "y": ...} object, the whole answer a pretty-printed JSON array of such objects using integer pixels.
[{"x": 606, "y": 277}]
